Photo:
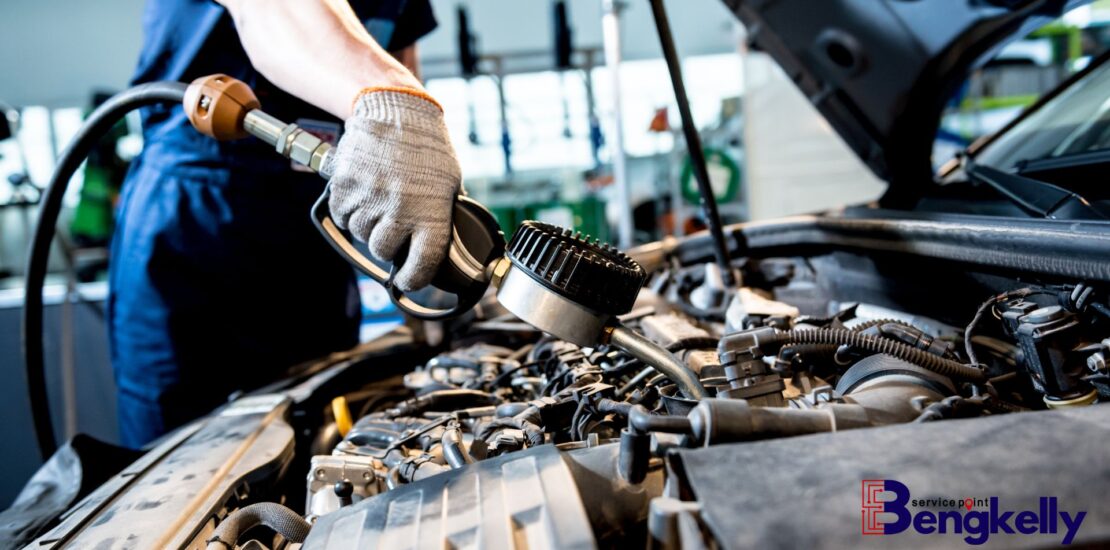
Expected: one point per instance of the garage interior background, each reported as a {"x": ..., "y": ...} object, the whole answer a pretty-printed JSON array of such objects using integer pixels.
[{"x": 770, "y": 154}]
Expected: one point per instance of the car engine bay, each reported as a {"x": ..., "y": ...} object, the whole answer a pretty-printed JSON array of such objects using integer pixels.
[
  {"x": 777, "y": 357},
  {"x": 821, "y": 365}
]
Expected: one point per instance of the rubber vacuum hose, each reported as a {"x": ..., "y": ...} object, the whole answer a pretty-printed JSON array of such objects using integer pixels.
[{"x": 282, "y": 520}]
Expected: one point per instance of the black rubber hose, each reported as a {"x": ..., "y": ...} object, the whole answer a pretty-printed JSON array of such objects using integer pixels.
[
  {"x": 642, "y": 421},
  {"x": 96, "y": 126},
  {"x": 454, "y": 451},
  {"x": 282, "y": 520},
  {"x": 924, "y": 359}
]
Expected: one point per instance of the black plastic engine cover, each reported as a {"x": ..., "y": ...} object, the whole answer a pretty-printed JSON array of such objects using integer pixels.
[{"x": 807, "y": 492}]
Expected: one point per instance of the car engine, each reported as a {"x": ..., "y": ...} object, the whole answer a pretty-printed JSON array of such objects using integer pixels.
[
  {"x": 650, "y": 398},
  {"x": 776, "y": 355}
]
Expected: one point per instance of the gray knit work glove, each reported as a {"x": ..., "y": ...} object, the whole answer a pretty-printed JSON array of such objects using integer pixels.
[{"x": 394, "y": 181}]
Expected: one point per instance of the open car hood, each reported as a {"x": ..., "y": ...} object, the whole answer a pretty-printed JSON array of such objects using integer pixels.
[{"x": 881, "y": 71}]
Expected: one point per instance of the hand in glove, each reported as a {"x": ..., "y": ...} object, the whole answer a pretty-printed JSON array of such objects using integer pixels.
[{"x": 394, "y": 180}]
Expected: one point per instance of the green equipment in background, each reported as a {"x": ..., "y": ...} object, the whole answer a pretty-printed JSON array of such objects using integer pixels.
[
  {"x": 94, "y": 217},
  {"x": 586, "y": 215},
  {"x": 724, "y": 177}
]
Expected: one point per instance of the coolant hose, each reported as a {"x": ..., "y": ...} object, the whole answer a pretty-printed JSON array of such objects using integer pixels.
[
  {"x": 95, "y": 127},
  {"x": 282, "y": 520},
  {"x": 641, "y": 420},
  {"x": 924, "y": 359},
  {"x": 660, "y": 359},
  {"x": 454, "y": 451}
]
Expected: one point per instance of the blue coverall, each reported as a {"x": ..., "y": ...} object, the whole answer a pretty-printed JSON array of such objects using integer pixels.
[{"x": 218, "y": 280}]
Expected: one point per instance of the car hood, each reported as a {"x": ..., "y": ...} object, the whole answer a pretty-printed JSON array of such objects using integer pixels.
[{"x": 881, "y": 71}]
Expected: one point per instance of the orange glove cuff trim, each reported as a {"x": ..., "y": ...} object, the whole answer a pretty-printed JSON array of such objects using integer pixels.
[{"x": 399, "y": 89}]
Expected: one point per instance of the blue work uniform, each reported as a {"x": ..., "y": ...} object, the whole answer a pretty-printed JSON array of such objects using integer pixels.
[{"x": 219, "y": 281}]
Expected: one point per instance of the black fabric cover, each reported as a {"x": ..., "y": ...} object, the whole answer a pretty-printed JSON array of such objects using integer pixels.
[
  {"x": 805, "y": 492},
  {"x": 74, "y": 470}
]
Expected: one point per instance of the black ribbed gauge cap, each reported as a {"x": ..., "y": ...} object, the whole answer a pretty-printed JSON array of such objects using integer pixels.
[{"x": 583, "y": 270}]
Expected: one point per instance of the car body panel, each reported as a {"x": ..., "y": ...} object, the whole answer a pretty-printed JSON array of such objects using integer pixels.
[
  {"x": 164, "y": 499},
  {"x": 881, "y": 71}
]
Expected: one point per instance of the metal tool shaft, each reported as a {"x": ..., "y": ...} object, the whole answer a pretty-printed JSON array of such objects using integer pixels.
[{"x": 290, "y": 140}]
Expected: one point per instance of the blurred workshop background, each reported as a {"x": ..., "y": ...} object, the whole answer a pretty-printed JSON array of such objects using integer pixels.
[{"x": 542, "y": 127}]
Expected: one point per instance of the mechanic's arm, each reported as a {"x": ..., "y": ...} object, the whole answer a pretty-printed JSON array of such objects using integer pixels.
[
  {"x": 394, "y": 174},
  {"x": 410, "y": 58}
]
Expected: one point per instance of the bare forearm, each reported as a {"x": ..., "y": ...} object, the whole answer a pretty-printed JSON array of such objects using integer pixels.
[
  {"x": 316, "y": 50},
  {"x": 410, "y": 58}
]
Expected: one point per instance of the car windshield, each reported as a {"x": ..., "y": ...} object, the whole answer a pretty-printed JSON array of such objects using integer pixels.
[{"x": 1074, "y": 123}]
